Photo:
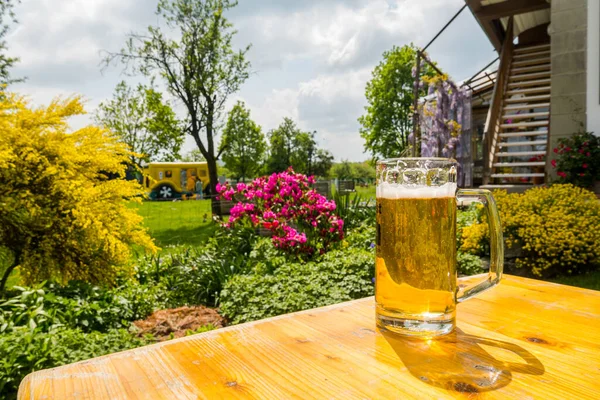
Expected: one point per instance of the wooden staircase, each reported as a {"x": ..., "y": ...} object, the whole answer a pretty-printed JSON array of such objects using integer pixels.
[{"x": 519, "y": 119}]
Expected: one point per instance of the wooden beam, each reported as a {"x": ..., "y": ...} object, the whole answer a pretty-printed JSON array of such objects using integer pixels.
[
  {"x": 509, "y": 8},
  {"x": 492, "y": 29}
]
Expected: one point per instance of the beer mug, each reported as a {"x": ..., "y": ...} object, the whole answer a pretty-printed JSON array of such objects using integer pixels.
[{"x": 416, "y": 287}]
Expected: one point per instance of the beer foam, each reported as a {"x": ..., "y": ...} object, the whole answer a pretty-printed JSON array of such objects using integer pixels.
[{"x": 398, "y": 191}]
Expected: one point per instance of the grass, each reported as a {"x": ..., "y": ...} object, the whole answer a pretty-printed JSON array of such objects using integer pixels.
[
  {"x": 180, "y": 222},
  {"x": 590, "y": 280}
]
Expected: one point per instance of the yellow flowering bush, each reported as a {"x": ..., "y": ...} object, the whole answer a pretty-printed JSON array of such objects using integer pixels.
[
  {"x": 62, "y": 217},
  {"x": 474, "y": 238},
  {"x": 557, "y": 228}
]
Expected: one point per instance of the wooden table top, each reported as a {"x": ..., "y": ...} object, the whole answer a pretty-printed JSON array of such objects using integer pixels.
[{"x": 523, "y": 339}]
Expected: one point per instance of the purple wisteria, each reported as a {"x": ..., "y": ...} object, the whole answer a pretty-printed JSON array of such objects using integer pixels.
[
  {"x": 301, "y": 220},
  {"x": 442, "y": 117}
]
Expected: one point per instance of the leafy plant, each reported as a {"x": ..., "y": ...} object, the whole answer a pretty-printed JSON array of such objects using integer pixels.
[
  {"x": 339, "y": 275},
  {"x": 469, "y": 264},
  {"x": 144, "y": 121},
  {"x": 578, "y": 159},
  {"x": 354, "y": 210},
  {"x": 25, "y": 350}
]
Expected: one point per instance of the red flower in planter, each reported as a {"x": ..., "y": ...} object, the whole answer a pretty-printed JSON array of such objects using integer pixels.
[
  {"x": 553, "y": 162},
  {"x": 561, "y": 174},
  {"x": 584, "y": 165}
]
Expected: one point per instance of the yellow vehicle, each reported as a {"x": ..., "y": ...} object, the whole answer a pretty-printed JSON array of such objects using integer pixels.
[{"x": 175, "y": 180}]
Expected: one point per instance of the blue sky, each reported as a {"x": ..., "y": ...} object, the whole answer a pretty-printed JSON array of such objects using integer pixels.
[{"x": 310, "y": 59}]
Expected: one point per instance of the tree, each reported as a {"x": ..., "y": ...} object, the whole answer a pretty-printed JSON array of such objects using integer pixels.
[
  {"x": 194, "y": 155},
  {"x": 193, "y": 54},
  {"x": 291, "y": 147},
  {"x": 363, "y": 171},
  {"x": 390, "y": 95},
  {"x": 62, "y": 217},
  {"x": 343, "y": 170},
  {"x": 281, "y": 146},
  {"x": 144, "y": 122},
  {"x": 6, "y": 62},
  {"x": 322, "y": 163},
  {"x": 243, "y": 143}
]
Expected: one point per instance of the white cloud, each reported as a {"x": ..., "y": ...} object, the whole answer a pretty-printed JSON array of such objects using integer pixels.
[{"x": 312, "y": 58}]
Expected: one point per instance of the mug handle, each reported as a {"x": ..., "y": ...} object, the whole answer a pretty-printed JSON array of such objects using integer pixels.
[{"x": 496, "y": 242}]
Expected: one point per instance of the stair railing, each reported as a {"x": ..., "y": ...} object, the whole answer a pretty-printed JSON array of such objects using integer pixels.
[{"x": 494, "y": 117}]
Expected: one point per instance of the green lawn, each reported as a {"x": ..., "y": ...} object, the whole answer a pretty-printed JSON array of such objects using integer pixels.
[
  {"x": 178, "y": 222},
  {"x": 589, "y": 281}
]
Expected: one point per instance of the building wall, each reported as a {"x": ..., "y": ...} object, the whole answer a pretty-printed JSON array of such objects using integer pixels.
[
  {"x": 593, "y": 67},
  {"x": 568, "y": 42}
]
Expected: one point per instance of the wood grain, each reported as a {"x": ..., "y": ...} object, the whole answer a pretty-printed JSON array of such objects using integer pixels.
[{"x": 524, "y": 339}]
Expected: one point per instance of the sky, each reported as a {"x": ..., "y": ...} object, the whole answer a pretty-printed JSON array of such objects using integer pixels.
[{"x": 311, "y": 59}]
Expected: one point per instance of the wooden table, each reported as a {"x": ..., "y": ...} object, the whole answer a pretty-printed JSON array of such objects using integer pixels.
[{"x": 523, "y": 339}]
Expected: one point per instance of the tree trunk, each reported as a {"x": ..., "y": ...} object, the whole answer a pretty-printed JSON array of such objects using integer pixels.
[
  {"x": 214, "y": 179},
  {"x": 10, "y": 269}
]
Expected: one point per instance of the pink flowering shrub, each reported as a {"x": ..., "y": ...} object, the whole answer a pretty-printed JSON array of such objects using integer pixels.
[
  {"x": 577, "y": 159},
  {"x": 301, "y": 220}
]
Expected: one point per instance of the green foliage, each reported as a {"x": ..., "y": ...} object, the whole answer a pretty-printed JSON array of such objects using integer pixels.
[
  {"x": 191, "y": 52},
  {"x": 578, "y": 159},
  {"x": 194, "y": 155},
  {"x": 339, "y": 276},
  {"x": 243, "y": 143},
  {"x": 6, "y": 62},
  {"x": 359, "y": 171},
  {"x": 196, "y": 275},
  {"x": 290, "y": 147},
  {"x": 26, "y": 350},
  {"x": 469, "y": 264},
  {"x": 354, "y": 210},
  {"x": 388, "y": 118},
  {"x": 51, "y": 325},
  {"x": 143, "y": 121}
]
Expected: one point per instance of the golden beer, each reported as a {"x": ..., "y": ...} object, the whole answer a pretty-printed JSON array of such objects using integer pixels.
[
  {"x": 416, "y": 260},
  {"x": 416, "y": 287}
]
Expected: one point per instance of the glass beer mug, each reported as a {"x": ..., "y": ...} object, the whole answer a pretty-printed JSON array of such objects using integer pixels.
[{"x": 416, "y": 287}]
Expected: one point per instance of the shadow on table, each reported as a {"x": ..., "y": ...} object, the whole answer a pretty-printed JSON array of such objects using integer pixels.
[{"x": 460, "y": 362}]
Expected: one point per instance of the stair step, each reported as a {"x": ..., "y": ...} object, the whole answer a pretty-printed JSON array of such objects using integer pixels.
[
  {"x": 535, "y": 82},
  {"x": 532, "y": 61},
  {"x": 524, "y": 124},
  {"x": 525, "y": 133},
  {"x": 527, "y": 99},
  {"x": 525, "y": 143},
  {"x": 521, "y": 154},
  {"x": 526, "y": 115},
  {"x": 533, "y": 75},
  {"x": 527, "y": 106},
  {"x": 520, "y": 164},
  {"x": 541, "y": 89},
  {"x": 527, "y": 175},
  {"x": 521, "y": 56},
  {"x": 524, "y": 70},
  {"x": 527, "y": 49}
]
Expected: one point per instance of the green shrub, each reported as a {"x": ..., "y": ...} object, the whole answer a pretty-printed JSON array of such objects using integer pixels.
[
  {"x": 25, "y": 350},
  {"x": 340, "y": 275},
  {"x": 469, "y": 264},
  {"x": 80, "y": 305}
]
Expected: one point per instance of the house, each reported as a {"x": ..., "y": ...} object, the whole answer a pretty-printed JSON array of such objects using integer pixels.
[{"x": 546, "y": 86}]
